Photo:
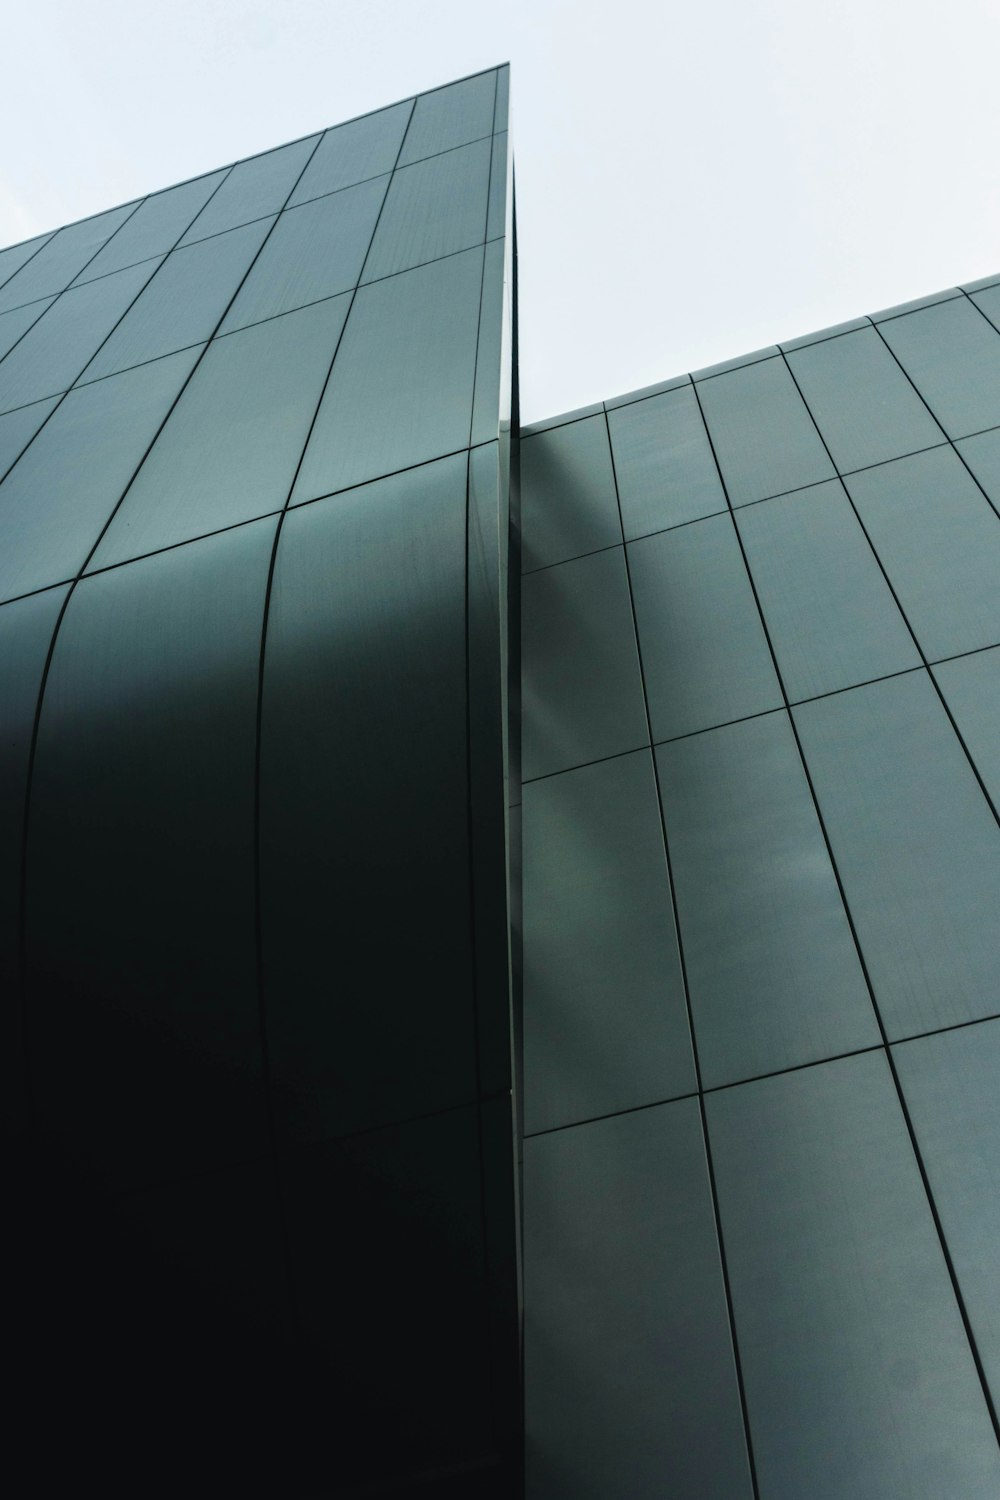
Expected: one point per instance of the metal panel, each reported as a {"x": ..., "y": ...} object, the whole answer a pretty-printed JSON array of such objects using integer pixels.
[
  {"x": 183, "y": 302},
  {"x": 15, "y": 256},
  {"x": 433, "y": 208},
  {"x": 18, "y": 427},
  {"x": 142, "y": 993},
  {"x": 26, "y": 628},
  {"x": 629, "y": 1374},
  {"x": 831, "y": 616},
  {"x": 233, "y": 440},
  {"x": 949, "y": 1082},
  {"x": 51, "y": 355},
  {"x": 863, "y": 404},
  {"x": 62, "y": 257},
  {"x": 365, "y": 858},
  {"x": 401, "y": 388},
  {"x": 568, "y": 501},
  {"x": 353, "y": 152},
  {"x": 254, "y": 188},
  {"x": 57, "y": 499},
  {"x": 763, "y": 434},
  {"x": 952, "y": 355},
  {"x": 450, "y": 116},
  {"x": 773, "y": 972},
  {"x": 939, "y": 542},
  {"x": 704, "y": 652},
  {"x": 581, "y": 688},
  {"x": 664, "y": 463},
  {"x": 971, "y": 688},
  {"x": 982, "y": 454},
  {"x": 385, "y": 1235},
  {"x": 859, "y": 1378},
  {"x": 15, "y": 324},
  {"x": 917, "y": 847},
  {"x": 313, "y": 252},
  {"x": 605, "y": 1023},
  {"x": 155, "y": 227}
]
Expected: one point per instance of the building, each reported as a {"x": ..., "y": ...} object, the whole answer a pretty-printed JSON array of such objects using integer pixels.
[{"x": 464, "y": 879}]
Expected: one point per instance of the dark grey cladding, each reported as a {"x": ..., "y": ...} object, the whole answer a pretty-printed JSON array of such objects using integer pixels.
[
  {"x": 255, "y": 918},
  {"x": 761, "y": 990},
  {"x": 370, "y": 908}
]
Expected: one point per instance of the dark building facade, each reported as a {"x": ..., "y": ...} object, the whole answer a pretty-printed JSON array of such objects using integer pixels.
[
  {"x": 501, "y": 926},
  {"x": 256, "y": 440},
  {"x": 761, "y": 688}
]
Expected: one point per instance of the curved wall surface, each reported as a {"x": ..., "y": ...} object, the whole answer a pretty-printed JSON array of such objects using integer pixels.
[{"x": 254, "y": 443}]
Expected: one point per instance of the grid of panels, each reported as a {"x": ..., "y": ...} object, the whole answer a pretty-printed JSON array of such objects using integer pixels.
[
  {"x": 761, "y": 616},
  {"x": 253, "y": 491}
]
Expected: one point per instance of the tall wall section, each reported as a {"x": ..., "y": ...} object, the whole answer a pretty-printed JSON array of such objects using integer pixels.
[
  {"x": 761, "y": 758},
  {"x": 254, "y": 438}
]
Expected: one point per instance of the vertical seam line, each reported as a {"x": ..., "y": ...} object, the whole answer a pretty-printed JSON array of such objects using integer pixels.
[
  {"x": 710, "y": 1167},
  {"x": 261, "y": 665}
]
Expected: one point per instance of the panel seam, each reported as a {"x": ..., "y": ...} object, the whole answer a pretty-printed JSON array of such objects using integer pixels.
[{"x": 686, "y": 990}]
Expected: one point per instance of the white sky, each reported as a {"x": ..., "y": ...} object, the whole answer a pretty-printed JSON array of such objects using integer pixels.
[{"x": 694, "y": 179}]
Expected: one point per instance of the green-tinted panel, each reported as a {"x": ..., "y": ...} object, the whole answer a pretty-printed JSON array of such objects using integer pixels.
[
  {"x": 15, "y": 324},
  {"x": 401, "y": 388},
  {"x": 353, "y": 152},
  {"x": 313, "y": 252},
  {"x": 982, "y": 454},
  {"x": 863, "y": 404},
  {"x": 830, "y": 613},
  {"x": 450, "y": 117},
  {"x": 971, "y": 688},
  {"x": 492, "y": 381},
  {"x": 663, "y": 460},
  {"x": 232, "y": 443},
  {"x": 917, "y": 847},
  {"x": 628, "y": 1358},
  {"x": 950, "y": 1086},
  {"x": 62, "y": 258},
  {"x": 15, "y": 256},
  {"x": 952, "y": 355},
  {"x": 57, "y": 499},
  {"x": 155, "y": 227},
  {"x": 605, "y": 1023},
  {"x": 253, "y": 189},
  {"x": 581, "y": 691},
  {"x": 52, "y": 353},
  {"x": 773, "y": 972},
  {"x": 859, "y": 1378},
  {"x": 568, "y": 501},
  {"x": 432, "y": 209},
  {"x": 18, "y": 427},
  {"x": 704, "y": 651},
  {"x": 183, "y": 302},
  {"x": 763, "y": 434},
  {"x": 497, "y": 217},
  {"x": 939, "y": 542}
]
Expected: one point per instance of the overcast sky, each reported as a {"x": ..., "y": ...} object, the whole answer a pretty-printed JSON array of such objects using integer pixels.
[{"x": 694, "y": 179}]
